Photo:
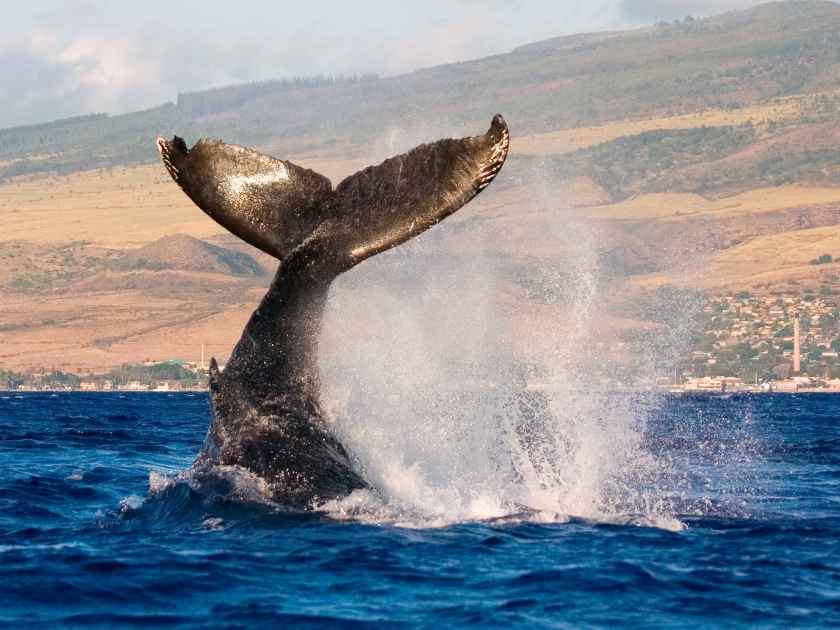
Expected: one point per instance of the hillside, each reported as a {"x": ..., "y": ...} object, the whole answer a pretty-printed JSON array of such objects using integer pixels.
[
  {"x": 654, "y": 164},
  {"x": 82, "y": 266},
  {"x": 185, "y": 253},
  {"x": 731, "y": 61}
]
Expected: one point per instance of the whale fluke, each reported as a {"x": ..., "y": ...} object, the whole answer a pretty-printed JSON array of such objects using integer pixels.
[
  {"x": 385, "y": 205},
  {"x": 266, "y": 408},
  {"x": 275, "y": 205},
  {"x": 270, "y": 203}
]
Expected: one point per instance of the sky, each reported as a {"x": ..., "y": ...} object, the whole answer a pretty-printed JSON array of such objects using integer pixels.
[{"x": 62, "y": 58}]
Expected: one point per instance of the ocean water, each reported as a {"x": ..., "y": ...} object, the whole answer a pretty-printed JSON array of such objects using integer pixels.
[{"x": 701, "y": 512}]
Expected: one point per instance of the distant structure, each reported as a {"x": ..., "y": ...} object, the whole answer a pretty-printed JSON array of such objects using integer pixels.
[
  {"x": 796, "y": 348},
  {"x": 202, "y": 354}
]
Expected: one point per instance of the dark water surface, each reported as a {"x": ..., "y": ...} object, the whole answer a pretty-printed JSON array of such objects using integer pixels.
[{"x": 82, "y": 545}]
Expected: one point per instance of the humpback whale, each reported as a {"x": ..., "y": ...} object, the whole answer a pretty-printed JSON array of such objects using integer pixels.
[{"x": 266, "y": 414}]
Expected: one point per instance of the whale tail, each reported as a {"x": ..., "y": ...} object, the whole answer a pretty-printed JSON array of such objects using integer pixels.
[
  {"x": 282, "y": 208},
  {"x": 266, "y": 400}
]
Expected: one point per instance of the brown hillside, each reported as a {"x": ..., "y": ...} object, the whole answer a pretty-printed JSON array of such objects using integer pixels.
[{"x": 185, "y": 253}]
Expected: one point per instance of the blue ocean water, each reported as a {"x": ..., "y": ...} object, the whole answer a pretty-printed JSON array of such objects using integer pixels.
[{"x": 752, "y": 481}]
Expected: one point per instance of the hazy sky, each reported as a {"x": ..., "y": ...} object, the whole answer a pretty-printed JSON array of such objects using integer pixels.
[{"x": 62, "y": 58}]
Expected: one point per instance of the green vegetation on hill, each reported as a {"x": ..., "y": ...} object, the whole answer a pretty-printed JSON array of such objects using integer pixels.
[
  {"x": 824, "y": 259},
  {"x": 147, "y": 375},
  {"x": 654, "y": 161},
  {"x": 166, "y": 371},
  {"x": 86, "y": 142},
  {"x": 225, "y": 99},
  {"x": 10, "y": 380}
]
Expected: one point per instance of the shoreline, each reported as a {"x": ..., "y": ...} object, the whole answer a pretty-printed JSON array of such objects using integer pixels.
[{"x": 692, "y": 392}]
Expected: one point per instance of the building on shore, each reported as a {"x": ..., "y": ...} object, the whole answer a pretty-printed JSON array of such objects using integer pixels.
[
  {"x": 133, "y": 386},
  {"x": 167, "y": 386},
  {"x": 714, "y": 384}
]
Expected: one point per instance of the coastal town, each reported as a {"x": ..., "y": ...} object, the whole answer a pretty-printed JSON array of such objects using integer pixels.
[
  {"x": 744, "y": 343},
  {"x": 764, "y": 343},
  {"x": 170, "y": 375}
]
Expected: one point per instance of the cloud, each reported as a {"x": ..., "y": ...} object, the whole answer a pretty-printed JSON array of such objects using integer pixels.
[
  {"x": 67, "y": 66},
  {"x": 105, "y": 62},
  {"x": 60, "y": 71},
  {"x": 25, "y": 79}
]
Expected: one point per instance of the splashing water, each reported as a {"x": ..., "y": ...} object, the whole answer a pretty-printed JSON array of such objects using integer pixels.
[
  {"x": 463, "y": 398},
  {"x": 453, "y": 415}
]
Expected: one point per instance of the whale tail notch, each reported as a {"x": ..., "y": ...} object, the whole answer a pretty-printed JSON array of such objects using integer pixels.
[{"x": 282, "y": 208}]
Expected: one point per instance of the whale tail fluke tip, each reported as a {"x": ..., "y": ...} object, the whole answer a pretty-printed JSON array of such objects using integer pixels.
[
  {"x": 214, "y": 375},
  {"x": 172, "y": 152},
  {"x": 498, "y": 129}
]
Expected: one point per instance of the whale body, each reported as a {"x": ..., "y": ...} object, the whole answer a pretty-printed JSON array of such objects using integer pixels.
[{"x": 266, "y": 411}]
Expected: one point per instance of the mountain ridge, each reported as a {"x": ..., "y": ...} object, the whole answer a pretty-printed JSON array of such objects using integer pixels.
[{"x": 734, "y": 60}]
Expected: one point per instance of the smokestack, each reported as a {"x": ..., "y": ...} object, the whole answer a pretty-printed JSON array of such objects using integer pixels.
[
  {"x": 203, "y": 366},
  {"x": 796, "y": 350}
]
